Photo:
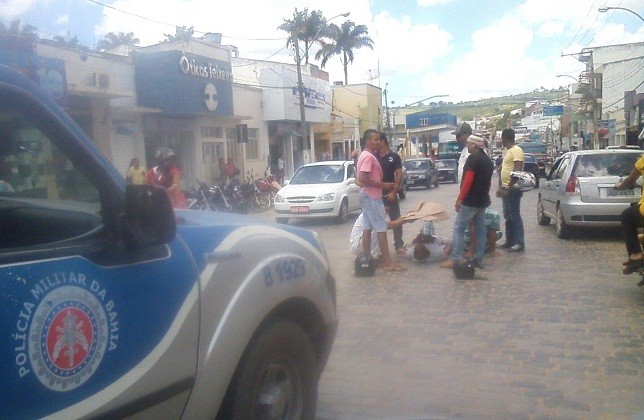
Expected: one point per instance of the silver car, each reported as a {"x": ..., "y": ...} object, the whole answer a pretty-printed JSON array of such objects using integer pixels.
[{"x": 578, "y": 191}]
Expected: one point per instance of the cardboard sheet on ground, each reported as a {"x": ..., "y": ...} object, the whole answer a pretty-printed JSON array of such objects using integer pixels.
[{"x": 427, "y": 210}]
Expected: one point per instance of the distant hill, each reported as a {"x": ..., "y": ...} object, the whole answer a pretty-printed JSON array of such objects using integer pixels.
[{"x": 490, "y": 106}]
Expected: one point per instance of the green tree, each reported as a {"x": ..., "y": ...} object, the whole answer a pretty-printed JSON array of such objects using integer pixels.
[
  {"x": 344, "y": 39},
  {"x": 306, "y": 27},
  {"x": 182, "y": 33},
  {"x": 113, "y": 40},
  {"x": 67, "y": 41}
]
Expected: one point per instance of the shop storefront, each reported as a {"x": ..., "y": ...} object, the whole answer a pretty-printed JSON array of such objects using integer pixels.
[{"x": 195, "y": 96}]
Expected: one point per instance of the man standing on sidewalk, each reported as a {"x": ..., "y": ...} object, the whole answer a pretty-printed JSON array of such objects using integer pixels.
[
  {"x": 373, "y": 210},
  {"x": 391, "y": 172},
  {"x": 511, "y": 197},
  {"x": 473, "y": 199}
]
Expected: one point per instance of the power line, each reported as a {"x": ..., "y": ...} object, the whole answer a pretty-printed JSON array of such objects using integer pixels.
[{"x": 177, "y": 26}]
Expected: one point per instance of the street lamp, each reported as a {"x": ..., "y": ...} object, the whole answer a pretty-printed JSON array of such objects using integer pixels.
[
  {"x": 300, "y": 85},
  {"x": 606, "y": 9},
  {"x": 423, "y": 100},
  {"x": 426, "y": 99}
]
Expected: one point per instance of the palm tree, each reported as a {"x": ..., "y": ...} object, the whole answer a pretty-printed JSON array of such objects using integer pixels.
[
  {"x": 113, "y": 40},
  {"x": 344, "y": 39},
  {"x": 305, "y": 27}
]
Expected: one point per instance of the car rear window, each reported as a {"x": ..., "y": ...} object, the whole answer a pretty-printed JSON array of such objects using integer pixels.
[
  {"x": 415, "y": 165},
  {"x": 610, "y": 164},
  {"x": 445, "y": 163},
  {"x": 529, "y": 159}
]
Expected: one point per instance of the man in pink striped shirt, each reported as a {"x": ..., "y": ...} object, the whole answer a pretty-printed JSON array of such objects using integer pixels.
[{"x": 373, "y": 210}]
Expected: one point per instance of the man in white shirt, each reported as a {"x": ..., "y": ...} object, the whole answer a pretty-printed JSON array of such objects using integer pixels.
[{"x": 462, "y": 133}]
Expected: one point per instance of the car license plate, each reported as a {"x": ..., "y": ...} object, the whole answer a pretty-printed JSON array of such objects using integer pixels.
[
  {"x": 300, "y": 209},
  {"x": 612, "y": 192}
]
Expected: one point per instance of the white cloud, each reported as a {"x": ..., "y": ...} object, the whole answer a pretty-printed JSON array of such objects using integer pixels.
[
  {"x": 433, "y": 2},
  {"x": 62, "y": 20},
  {"x": 12, "y": 8},
  {"x": 248, "y": 24}
]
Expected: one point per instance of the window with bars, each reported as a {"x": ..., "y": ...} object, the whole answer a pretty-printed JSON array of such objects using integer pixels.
[
  {"x": 252, "y": 146},
  {"x": 210, "y": 132}
]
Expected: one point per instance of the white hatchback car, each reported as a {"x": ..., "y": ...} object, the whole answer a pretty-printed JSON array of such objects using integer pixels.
[{"x": 319, "y": 190}]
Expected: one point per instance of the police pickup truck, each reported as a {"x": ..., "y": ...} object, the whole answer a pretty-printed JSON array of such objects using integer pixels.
[{"x": 113, "y": 305}]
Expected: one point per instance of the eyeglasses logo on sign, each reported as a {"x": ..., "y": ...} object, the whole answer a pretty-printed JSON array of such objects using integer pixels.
[{"x": 210, "y": 97}]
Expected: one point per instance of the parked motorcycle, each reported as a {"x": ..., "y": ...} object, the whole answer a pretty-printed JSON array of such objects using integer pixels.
[
  {"x": 268, "y": 186},
  {"x": 253, "y": 197},
  {"x": 205, "y": 197}
]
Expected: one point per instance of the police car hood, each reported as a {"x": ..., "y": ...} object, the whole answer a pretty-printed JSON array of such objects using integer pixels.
[
  {"x": 203, "y": 231},
  {"x": 309, "y": 190}
]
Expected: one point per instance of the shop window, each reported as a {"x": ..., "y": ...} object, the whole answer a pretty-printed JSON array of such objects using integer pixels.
[
  {"x": 252, "y": 147},
  {"x": 231, "y": 133},
  {"x": 210, "y": 132}
]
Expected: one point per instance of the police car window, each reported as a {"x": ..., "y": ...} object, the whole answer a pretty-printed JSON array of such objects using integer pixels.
[{"x": 43, "y": 198}]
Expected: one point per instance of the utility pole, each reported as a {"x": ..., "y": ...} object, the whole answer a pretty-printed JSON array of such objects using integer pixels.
[
  {"x": 387, "y": 112},
  {"x": 300, "y": 89}
]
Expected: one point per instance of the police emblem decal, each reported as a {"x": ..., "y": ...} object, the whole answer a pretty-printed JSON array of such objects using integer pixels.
[{"x": 68, "y": 337}]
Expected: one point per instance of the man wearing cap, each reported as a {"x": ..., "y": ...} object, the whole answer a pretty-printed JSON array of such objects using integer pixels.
[
  {"x": 511, "y": 197},
  {"x": 473, "y": 199},
  {"x": 462, "y": 133}
]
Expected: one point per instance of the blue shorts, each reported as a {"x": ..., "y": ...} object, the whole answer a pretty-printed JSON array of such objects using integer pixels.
[{"x": 373, "y": 213}]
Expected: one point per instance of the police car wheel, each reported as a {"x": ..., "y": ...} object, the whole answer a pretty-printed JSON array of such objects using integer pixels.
[{"x": 276, "y": 378}]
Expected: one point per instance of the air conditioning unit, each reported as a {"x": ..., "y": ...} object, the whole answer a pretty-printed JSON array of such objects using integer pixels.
[{"x": 100, "y": 80}]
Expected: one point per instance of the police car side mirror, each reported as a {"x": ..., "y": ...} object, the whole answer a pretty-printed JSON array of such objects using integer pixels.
[{"x": 148, "y": 219}]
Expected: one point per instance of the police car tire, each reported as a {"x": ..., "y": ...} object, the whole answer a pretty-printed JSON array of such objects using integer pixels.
[{"x": 281, "y": 351}]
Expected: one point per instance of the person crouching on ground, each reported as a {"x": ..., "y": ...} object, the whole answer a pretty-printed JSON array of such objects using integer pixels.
[
  {"x": 355, "y": 239},
  {"x": 493, "y": 231},
  {"x": 373, "y": 210}
]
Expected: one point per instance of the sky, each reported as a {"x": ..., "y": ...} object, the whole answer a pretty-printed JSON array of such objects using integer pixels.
[{"x": 465, "y": 49}]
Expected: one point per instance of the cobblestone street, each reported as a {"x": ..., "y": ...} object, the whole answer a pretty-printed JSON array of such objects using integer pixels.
[{"x": 555, "y": 332}]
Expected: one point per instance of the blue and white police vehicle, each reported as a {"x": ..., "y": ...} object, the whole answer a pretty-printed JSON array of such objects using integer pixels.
[{"x": 113, "y": 305}]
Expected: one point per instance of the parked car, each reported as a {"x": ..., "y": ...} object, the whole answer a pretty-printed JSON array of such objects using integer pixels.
[
  {"x": 319, "y": 190},
  {"x": 402, "y": 192},
  {"x": 421, "y": 172},
  {"x": 447, "y": 170},
  {"x": 628, "y": 146},
  {"x": 115, "y": 305},
  {"x": 578, "y": 192},
  {"x": 531, "y": 165}
]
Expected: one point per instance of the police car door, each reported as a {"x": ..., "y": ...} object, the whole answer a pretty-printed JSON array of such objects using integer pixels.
[{"x": 87, "y": 326}]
